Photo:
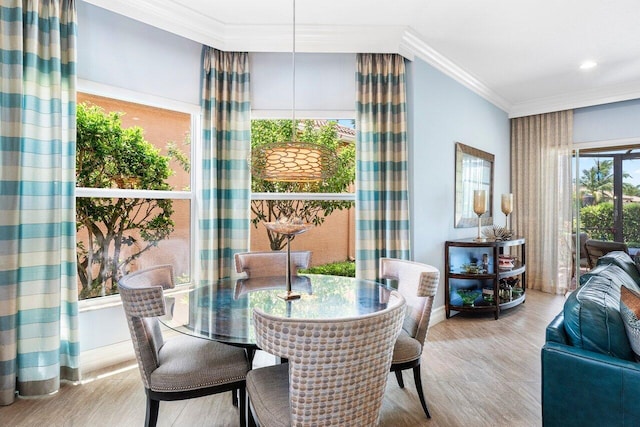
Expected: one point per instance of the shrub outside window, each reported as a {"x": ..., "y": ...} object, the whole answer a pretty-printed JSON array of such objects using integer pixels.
[{"x": 328, "y": 204}]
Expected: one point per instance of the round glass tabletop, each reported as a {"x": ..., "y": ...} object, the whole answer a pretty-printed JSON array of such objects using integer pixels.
[{"x": 223, "y": 311}]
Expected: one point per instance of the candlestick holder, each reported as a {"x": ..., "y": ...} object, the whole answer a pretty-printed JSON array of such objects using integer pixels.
[
  {"x": 480, "y": 238},
  {"x": 507, "y": 207},
  {"x": 480, "y": 207}
]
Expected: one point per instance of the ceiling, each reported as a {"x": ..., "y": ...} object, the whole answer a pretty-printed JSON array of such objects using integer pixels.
[{"x": 523, "y": 55}]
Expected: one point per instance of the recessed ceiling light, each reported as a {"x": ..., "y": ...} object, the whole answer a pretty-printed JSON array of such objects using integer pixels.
[{"x": 587, "y": 65}]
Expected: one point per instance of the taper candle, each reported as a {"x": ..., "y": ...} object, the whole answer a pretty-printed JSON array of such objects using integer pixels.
[{"x": 479, "y": 201}]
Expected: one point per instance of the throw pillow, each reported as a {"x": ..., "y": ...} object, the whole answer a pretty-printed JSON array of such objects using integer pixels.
[{"x": 630, "y": 312}]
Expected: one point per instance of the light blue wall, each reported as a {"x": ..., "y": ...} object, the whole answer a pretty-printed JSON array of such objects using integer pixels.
[
  {"x": 441, "y": 113},
  {"x": 325, "y": 83},
  {"x": 618, "y": 120},
  {"x": 118, "y": 51}
]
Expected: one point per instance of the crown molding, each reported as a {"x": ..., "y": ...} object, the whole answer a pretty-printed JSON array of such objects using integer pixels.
[
  {"x": 189, "y": 23},
  {"x": 602, "y": 95},
  {"x": 412, "y": 42},
  {"x": 168, "y": 16},
  {"x": 314, "y": 38}
]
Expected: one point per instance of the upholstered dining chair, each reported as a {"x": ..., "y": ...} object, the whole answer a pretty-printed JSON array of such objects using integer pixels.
[
  {"x": 271, "y": 263},
  {"x": 337, "y": 370},
  {"x": 597, "y": 248},
  {"x": 182, "y": 367},
  {"x": 418, "y": 283}
]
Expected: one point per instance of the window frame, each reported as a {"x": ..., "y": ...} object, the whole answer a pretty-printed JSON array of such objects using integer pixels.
[{"x": 126, "y": 95}]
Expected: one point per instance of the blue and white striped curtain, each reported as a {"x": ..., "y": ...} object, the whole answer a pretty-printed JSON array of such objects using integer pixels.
[
  {"x": 226, "y": 139},
  {"x": 382, "y": 201},
  {"x": 38, "y": 290}
]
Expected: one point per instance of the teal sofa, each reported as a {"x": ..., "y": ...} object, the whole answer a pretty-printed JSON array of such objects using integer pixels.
[{"x": 589, "y": 373}]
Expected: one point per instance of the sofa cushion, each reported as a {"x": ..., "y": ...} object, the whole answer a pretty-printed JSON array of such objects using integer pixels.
[
  {"x": 592, "y": 313},
  {"x": 630, "y": 312},
  {"x": 622, "y": 260},
  {"x": 610, "y": 268}
]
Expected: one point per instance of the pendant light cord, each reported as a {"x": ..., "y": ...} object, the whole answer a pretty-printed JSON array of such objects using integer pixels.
[{"x": 293, "y": 66}]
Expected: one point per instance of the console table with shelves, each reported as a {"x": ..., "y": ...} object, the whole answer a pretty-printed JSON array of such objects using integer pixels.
[{"x": 484, "y": 276}]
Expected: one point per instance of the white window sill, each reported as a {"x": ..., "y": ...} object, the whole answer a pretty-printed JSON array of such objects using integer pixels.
[{"x": 100, "y": 303}]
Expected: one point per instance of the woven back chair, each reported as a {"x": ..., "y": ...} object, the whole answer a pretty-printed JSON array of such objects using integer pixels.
[
  {"x": 337, "y": 370},
  {"x": 183, "y": 367},
  {"x": 271, "y": 263},
  {"x": 418, "y": 284}
]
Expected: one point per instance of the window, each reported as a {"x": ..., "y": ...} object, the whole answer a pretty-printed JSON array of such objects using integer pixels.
[
  {"x": 134, "y": 198},
  {"x": 327, "y": 204}
]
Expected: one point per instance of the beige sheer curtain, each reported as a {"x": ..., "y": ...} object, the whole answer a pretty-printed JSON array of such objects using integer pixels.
[{"x": 541, "y": 183}]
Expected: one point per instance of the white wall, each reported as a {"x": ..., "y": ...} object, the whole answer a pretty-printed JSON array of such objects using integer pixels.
[{"x": 441, "y": 113}]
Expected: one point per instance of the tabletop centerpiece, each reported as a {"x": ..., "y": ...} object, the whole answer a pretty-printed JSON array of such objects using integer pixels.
[
  {"x": 288, "y": 227},
  {"x": 497, "y": 233}
]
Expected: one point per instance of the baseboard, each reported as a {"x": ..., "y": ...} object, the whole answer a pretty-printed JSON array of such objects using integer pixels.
[
  {"x": 104, "y": 357},
  {"x": 437, "y": 315},
  {"x": 113, "y": 354}
]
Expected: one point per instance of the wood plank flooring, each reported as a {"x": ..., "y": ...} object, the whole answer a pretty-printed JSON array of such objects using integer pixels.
[{"x": 476, "y": 371}]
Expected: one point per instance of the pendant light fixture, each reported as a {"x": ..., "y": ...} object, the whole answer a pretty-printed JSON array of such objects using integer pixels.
[{"x": 293, "y": 161}]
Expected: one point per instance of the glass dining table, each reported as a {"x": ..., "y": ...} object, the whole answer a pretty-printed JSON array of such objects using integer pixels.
[{"x": 223, "y": 311}]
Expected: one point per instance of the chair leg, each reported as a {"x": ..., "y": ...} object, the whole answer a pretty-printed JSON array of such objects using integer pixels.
[
  {"x": 251, "y": 420},
  {"x": 151, "y": 418},
  {"x": 251, "y": 353},
  {"x": 418, "y": 381},
  {"x": 243, "y": 406},
  {"x": 234, "y": 398},
  {"x": 399, "y": 378}
]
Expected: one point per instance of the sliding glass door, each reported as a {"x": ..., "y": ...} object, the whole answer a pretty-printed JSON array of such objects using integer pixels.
[{"x": 608, "y": 195}]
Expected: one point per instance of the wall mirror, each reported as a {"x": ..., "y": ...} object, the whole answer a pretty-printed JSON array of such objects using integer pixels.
[{"x": 474, "y": 171}]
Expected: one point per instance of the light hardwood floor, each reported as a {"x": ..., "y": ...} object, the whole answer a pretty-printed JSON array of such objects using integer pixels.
[{"x": 476, "y": 371}]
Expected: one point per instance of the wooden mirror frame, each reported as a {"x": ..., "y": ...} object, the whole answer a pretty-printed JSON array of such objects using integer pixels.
[{"x": 474, "y": 171}]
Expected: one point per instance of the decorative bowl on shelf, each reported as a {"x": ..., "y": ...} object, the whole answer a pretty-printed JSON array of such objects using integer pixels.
[
  {"x": 517, "y": 292},
  {"x": 468, "y": 296}
]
